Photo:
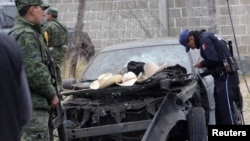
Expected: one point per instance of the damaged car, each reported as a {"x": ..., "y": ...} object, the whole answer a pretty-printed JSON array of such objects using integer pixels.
[{"x": 168, "y": 100}]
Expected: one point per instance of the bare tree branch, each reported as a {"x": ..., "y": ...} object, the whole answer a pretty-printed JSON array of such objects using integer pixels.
[{"x": 78, "y": 34}]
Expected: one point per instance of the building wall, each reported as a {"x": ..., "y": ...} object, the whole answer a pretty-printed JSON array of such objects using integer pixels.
[{"x": 114, "y": 21}]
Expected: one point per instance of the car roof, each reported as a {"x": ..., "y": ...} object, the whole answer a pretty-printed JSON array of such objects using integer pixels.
[{"x": 141, "y": 43}]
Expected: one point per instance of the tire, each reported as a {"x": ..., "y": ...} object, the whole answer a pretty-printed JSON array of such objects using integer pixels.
[
  {"x": 196, "y": 125},
  {"x": 61, "y": 133},
  {"x": 238, "y": 114},
  {"x": 238, "y": 107}
]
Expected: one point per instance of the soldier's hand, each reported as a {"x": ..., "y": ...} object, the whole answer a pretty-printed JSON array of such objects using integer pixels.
[{"x": 54, "y": 102}]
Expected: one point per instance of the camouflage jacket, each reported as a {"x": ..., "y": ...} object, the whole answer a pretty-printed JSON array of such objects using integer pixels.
[
  {"x": 57, "y": 38},
  {"x": 35, "y": 58}
]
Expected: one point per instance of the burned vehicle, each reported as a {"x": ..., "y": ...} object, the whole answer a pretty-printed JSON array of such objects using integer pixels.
[{"x": 174, "y": 104}]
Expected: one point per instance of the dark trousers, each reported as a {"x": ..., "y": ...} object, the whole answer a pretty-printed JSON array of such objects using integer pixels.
[{"x": 226, "y": 87}]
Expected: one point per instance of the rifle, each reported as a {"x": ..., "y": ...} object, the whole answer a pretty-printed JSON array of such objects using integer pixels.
[{"x": 56, "y": 115}]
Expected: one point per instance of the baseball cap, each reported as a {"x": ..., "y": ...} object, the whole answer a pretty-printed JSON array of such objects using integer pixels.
[
  {"x": 23, "y": 3},
  {"x": 52, "y": 11},
  {"x": 183, "y": 39}
]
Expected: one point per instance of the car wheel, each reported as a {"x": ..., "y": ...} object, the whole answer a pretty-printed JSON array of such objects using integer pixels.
[
  {"x": 196, "y": 124},
  {"x": 61, "y": 133},
  {"x": 238, "y": 114}
]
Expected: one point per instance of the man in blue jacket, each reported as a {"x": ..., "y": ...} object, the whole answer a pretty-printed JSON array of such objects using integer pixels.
[
  {"x": 222, "y": 66},
  {"x": 15, "y": 99}
]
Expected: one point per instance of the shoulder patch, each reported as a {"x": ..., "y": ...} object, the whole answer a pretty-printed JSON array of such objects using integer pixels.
[{"x": 204, "y": 46}]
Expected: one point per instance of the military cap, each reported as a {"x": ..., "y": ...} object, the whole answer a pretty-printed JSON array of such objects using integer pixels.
[
  {"x": 23, "y": 3},
  {"x": 52, "y": 11},
  {"x": 45, "y": 5}
]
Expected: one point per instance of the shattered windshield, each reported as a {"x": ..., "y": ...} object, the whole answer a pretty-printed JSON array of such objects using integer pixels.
[
  {"x": 8, "y": 13},
  {"x": 115, "y": 61}
]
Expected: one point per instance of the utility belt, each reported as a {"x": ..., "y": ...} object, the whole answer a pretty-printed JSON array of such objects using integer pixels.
[
  {"x": 229, "y": 66},
  {"x": 218, "y": 71},
  {"x": 63, "y": 47}
]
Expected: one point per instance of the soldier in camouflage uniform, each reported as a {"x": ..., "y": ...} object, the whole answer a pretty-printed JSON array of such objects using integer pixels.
[
  {"x": 27, "y": 32},
  {"x": 55, "y": 35}
]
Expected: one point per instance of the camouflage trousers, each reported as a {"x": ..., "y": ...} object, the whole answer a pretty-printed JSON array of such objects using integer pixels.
[{"x": 37, "y": 129}]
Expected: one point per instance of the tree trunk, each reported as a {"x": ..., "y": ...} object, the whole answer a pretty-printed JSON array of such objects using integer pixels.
[{"x": 78, "y": 34}]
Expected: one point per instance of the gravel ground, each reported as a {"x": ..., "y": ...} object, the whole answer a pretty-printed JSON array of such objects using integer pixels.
[{"x": 244, "y": 82}]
